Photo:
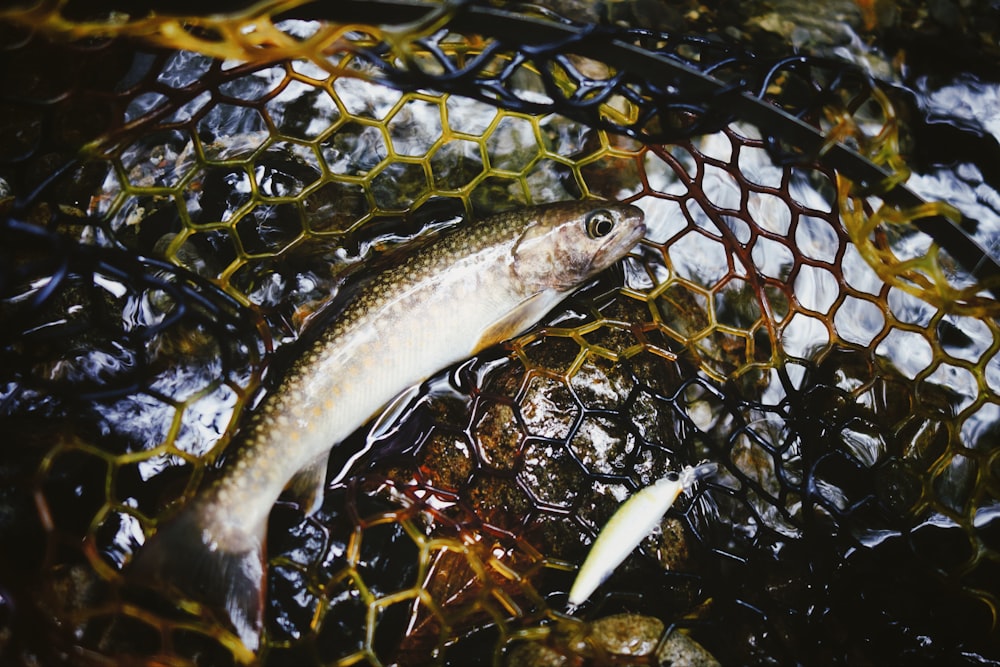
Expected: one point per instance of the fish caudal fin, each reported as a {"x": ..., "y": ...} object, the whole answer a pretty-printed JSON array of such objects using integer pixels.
[{"x": 178, "y": 559}]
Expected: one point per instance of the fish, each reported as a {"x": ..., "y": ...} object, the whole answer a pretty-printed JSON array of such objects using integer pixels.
[
  {"x": 473, "y": 288},
  {"x": 637, "y": 517}
]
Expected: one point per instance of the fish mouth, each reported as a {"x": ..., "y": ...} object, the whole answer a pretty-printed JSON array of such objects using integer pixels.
[
  {"x": 635, "y": 235},
  {"x": 616, "y": 248}
]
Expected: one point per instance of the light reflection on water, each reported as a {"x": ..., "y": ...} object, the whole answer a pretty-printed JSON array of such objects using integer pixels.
[
  {"x": 969, "y": 182},
  {"x": 701, "y": 258},
  {"x": 193, "y": 384}
]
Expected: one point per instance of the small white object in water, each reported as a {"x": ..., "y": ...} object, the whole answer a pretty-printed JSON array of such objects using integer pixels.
[{"x": 634, "y": 520}]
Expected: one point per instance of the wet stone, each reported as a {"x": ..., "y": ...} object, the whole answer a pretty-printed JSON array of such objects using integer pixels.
[
  {"x": 680, "y": 650},
  {"x": 670, "y": 545},
  {"x": 497, "y": 436},
  {"x": 626, "y": 638},
  {"x": 661, "y": 375},
  {"x": 208, "y": 174},
  {"x": 610, "y": 337},
  {"x": 627, "y": 634},
  {"x": 548, "y": 408},
  {"x": 653, "y": 418},
  {"x": 557, "y": 536},
  {"x": 600, "y": 502},
  {"x": 498, "y": 501},
  {"x": 445, "y": 459},
  {"x": 551, "y": 475},
  {"x": 535, "y": 654},
  {"x": 554, "y": 354},
  {"x": 601, "y": 384},
  {"x": 602, "y": 445}
]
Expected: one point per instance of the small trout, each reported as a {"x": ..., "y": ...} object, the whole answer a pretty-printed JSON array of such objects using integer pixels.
[{"x": 476, "y": 287}]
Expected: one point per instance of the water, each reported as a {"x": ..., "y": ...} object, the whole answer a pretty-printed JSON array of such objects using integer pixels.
[{"x": 852, "y": 421}]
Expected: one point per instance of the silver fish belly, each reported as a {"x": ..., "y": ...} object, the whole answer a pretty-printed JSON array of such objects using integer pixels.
[{"x": 475, "y": 287}]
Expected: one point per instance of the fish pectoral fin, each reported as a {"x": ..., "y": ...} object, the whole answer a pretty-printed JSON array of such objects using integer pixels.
[
  {"x": 307, "y": 486},
  {"x": 518, "y": 319},
  {"x": 386, "y": 423},
  {"x": 178, "y": 560},
  {"x": 392, "y": 412}
]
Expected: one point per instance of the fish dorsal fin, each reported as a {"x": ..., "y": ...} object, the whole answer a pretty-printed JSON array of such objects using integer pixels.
[
  {"x": 518, "y": 319},
  {"x": 307, "y": 485}
]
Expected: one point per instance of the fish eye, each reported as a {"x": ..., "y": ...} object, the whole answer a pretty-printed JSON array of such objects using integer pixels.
[{"x": 600, "y": 224}]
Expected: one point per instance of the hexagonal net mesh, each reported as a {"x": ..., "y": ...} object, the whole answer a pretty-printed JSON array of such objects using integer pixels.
[{"x": 183, "y": 194}]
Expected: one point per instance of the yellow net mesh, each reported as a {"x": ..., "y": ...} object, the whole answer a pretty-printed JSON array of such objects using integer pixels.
[{"x": 840, "y": 367}]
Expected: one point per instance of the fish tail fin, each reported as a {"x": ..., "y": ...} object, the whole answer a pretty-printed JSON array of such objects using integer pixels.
[{"x": 180, "y": 558}]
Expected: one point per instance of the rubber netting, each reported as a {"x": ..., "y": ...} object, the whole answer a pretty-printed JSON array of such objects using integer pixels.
[{"x": 182, "y": 194}]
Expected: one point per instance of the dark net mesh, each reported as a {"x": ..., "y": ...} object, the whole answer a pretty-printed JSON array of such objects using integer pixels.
[{"x": 181, "y": 195}]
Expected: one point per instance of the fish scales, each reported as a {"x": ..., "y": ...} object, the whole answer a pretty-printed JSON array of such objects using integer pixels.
[
  {"x": 473, "y": 288},
  {"x": 391, "y": 336}
]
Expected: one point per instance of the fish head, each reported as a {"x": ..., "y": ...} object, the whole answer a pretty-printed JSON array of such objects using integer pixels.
[{"x": 564, "y": 244}]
